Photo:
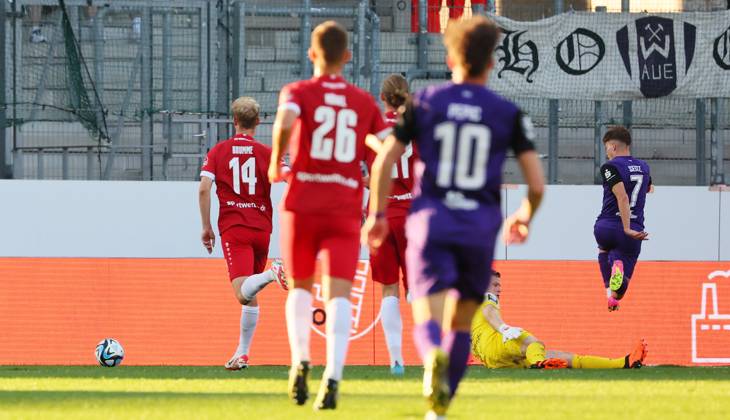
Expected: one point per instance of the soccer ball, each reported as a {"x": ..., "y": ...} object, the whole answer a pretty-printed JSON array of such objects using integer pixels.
[{"x": 109, "y": 352}]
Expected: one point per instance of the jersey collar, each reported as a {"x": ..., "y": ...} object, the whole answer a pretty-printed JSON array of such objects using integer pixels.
[
  {"x": 391, "y": 116},
  {"x": 332, "y": 78},
  {"x": 245, "y": 137}
]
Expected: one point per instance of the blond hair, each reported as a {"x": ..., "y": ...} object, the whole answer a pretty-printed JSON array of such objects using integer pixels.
[
  {"x": 395, "y": 90},
  {"x": 245, "y": 111}
]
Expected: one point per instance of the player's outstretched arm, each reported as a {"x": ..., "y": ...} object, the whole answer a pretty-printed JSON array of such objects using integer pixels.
[
  {"x": 283, "y": 124},
  {"x": 516, "y": 226},
  {"x": 495, "y": 321},
  {"x": 208, "y": 237},
  {"x": 624, "y": 210},
  {"x": 376, "y": 227}
]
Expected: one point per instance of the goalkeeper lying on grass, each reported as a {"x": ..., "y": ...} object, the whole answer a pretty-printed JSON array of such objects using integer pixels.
[{"x": 499, "y": 345}]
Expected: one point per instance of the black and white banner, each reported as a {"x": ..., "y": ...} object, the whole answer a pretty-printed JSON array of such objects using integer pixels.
[{"x": 615, "y": 56}]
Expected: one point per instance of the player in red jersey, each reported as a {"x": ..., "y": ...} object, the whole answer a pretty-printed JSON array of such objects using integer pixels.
[
  {"x": 388, "y": 261},
  {"x": 327, "y": 120},
  {"x": 238, "y": 168}
]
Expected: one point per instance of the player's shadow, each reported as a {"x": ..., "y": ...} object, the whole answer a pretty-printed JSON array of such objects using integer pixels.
[
  {"x": 143, "y": 372},
  {"x": 190, "y": 372},
  {"x": 648, "y": 373},
  {"x": 78, "y": 395},
  {"x": 363, "y": 373}
]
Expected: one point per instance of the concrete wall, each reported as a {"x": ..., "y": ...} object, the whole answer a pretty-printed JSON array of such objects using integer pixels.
[
  {"x": 724, "y": 232},
  {"x": 683, "y": 224},
  {"x": 160, "y": 220}
]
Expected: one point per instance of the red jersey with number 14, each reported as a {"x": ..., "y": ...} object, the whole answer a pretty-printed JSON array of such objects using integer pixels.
[
  {"x": 328, "y": 144},
  {"x": 239, "y": 168},
  {"x": 400, "y": 198}
]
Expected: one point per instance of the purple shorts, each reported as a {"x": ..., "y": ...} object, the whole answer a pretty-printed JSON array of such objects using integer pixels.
[
  {"x": 435, "y": 265},
  {"x": 613, "y": 240}
]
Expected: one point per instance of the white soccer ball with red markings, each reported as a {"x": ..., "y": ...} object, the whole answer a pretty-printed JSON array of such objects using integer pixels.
[{"x": 109, "y": 352}]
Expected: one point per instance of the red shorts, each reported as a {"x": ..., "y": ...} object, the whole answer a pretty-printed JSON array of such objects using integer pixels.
[
  {"x": 304, "y": 236},
  {"x": 389, "y": 261},
  {"x": 246, "y": 250}
]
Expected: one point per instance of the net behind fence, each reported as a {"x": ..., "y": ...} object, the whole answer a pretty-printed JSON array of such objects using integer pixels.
[{"x": 78, "y": 84}]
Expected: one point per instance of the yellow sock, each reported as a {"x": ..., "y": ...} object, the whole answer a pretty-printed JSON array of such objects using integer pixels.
[
  {"x": 535, "y": 353},
  {"x": 595, "y": 362}
]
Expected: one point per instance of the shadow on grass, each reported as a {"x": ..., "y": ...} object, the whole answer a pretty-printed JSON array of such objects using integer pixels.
[
  {"x": 75, "y": 396},
  {"x": 375, "y": 373},
  {"x": 401, "y": 405}
]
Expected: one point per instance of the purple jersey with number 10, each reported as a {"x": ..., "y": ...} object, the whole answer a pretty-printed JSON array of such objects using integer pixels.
[{"x": 462, "y": 133}]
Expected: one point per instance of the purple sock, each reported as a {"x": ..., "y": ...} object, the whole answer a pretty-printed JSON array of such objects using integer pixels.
[
  {"x": 458, "y": 345},
  {"x": 427, "y": 336},
  {"x": 605, "y": 267}
]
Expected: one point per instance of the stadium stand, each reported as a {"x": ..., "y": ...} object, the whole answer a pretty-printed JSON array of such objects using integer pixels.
[{"x": 53, "y": 141}]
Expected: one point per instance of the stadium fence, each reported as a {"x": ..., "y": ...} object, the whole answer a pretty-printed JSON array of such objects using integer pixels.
[{"x": 140, "y": 89}]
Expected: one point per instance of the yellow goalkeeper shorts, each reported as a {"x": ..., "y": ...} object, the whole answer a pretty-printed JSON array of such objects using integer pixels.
[{"x": 496, "y": 354}]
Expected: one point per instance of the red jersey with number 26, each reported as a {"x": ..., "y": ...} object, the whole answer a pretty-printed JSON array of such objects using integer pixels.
[
  {"x": 400, "y": 198},
  {"x": 239, "y": 168},
  {"x": 328, "y": 144}
]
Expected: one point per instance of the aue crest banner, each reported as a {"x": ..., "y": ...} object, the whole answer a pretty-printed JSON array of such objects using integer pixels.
[{"x": 617, "y": 56}]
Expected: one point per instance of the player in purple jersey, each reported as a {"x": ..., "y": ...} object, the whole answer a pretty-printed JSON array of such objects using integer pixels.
[
  {"x": 619, "y": 228},
  {"x": 462, "y": 131}
]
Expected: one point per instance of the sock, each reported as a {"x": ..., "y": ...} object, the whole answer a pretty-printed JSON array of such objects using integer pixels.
[
  {"x": 605, "y": 267},
  {"x": 339, "y": 321},
  {"x": 595, "y": 362},
  {"x": 255, "y": 283},
  {"x": 458, "y": 345},
  {"x": 392, "y": 328},
  {"x": 249, "y": 319},
  {"x": 535, "y": 352},
  {"x": 298, "y": 323},
  {"x": 427, "y": 337}
]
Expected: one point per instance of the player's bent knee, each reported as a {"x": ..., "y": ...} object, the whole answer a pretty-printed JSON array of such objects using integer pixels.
[
  {"x": 391, "y": 290},
  {"x": 335, "y": 287},
  {"x": 529, "y": 340},
  {"x": 242, "y": 300},
  {"x": 463, "y": 315},
  {"x": 236, "y": 284},
  {"x": 462, "y": 322},
  {"x": 305, "y": 284}
]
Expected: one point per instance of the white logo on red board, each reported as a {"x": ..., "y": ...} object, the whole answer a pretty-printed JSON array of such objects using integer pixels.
[
  {"x": 710, "y": 328},
  {"x": 361, "y": 322}
]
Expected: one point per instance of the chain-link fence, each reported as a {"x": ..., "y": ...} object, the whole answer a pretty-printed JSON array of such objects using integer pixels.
[
  {"x": 92, "y": 89},
  {"x": 277, "y": 37},
  {"x": 140, "y": 89}
]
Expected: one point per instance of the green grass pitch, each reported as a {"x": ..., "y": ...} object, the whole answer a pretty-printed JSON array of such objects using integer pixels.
[{"x": 180, "y": 392}]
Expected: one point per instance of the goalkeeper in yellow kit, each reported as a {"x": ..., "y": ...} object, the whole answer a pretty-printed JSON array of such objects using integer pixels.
[{"x": 499, "y": 345}]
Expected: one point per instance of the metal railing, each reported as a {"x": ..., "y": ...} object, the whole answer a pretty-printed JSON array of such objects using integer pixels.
[
  {"x": 137, "y": 61},
  {"x": 166, "y": 71}
]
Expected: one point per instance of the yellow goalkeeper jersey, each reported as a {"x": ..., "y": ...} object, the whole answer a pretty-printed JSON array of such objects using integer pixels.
[
  {"x": 487, "y": 343},
  {"x": 480, "y": 328}
]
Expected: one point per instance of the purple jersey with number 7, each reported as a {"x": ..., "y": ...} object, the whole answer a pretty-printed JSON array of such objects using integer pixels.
[
  {"x": 463, "y": 133},
  {"x": 634, "y": 173}
]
